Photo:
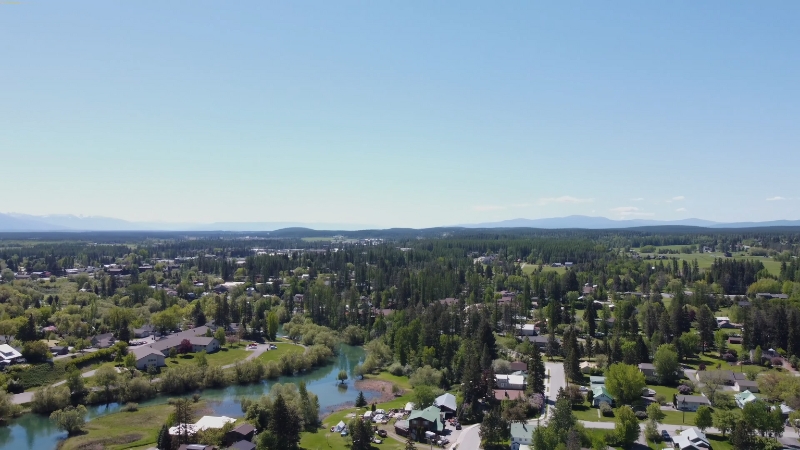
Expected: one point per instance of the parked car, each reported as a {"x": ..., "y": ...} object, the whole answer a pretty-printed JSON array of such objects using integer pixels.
[
  {"x": 376, "y": 441},
  {"x": 665, "y": 436},
  {"x": 458, "y": 425},
  {"x": 381, "y": 433},
  {"x": 648, "y": 392}
]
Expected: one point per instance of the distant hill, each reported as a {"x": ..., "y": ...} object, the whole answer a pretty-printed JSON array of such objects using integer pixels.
[
  {"x": 602, "y": 223},
  {"x": 70, "y": 223}
]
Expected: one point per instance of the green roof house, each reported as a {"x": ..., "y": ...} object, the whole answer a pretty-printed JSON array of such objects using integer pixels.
[{"x": 601, "y": 395}]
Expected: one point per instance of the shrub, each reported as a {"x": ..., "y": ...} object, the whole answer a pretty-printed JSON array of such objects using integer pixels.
[
  {"x": 396, "y": 369},
  {"x": 130, "y": 407},
  {"x": 36, "y": 351},
  {"x": 685, "y": 390},
  {"x": 702, "y": 366},
  {"x": 49, "y": 399},
  {"x": 426, "y": 376},
  {"x": 605, "y": 409},
  {"x": 777, "y": 362},
  {"x": 660, "y": 399},
  {"x": 641, "y": 415},
  {"x": 729, "y": 357},
  {"x": 15, "y": 386}
]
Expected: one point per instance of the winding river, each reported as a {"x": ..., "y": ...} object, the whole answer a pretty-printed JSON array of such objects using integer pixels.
[{"x": 35, "y": 432}]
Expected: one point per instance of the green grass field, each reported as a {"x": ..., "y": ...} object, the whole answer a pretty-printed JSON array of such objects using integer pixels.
[
  {"x": 401, "y": 381},
  {"x": 530, "y": 268},
  {"x": 122, "y": 430},
  {"x": 704, "y": 260},
  {"x": 274, "y": 355}
]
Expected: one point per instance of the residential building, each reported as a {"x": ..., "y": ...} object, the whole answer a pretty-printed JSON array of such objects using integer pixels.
[
  {"x": 746, "y": 385},
  {"x": 505, "y": 394},
  {"x": 593, "y": 380},
  {"x": 519, "y": 366},
  {"x": 691, "y": 402},
  {"x": 541, "y": 341},
  {"x": 148, "y": 357},
  {"x": 196, "y": 447},
  {"x": 744, "y": 398},
  {"x": 196, "y": 337},
  {"x": 691, "y": 439},
  {"x": 521, "y": 434},
  {"x": 446, "y": 403},
  {"x": 103, "y": 340},
  {"x": 510, "y": 382},
  {"x": 527, "y": 329},
  {"x": 145, "y": 331},
  {"x": 8, "y": 354},
  {"x": 428, "y": 419},
  {"x": 648, "y": 369},
  {"x": 243, "y": 445},
  {"x": 600, "y": 395},
  {"x": 727, "y": 376},
  {"x": 243, "y": 432}
]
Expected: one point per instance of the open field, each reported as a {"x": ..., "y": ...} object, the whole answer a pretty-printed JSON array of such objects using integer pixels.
[
  {"x": 530, "y": 268},
  {"x": 283, "y": 349},
  {"x": 704, "y": 260},
  {"x": 122, "y": 430}
]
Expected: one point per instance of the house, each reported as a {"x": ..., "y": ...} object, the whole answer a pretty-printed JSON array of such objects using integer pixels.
[
  {"x": 785, "y": 409},
  {"x": 103, "y": 340},
  {"x": 401, "y": 427},
  {"x": 746, "y": 385},
  {"x": 767, "y": 295},
  {"x": 196, "y": 337},
  {"x": 519, "y": 366},
  {"x": 243, "y": 432},
  {"x": 511, "y": 382},
  {"x": 59, "y": 350},
  {"x": 744, "y": 398},
  {"x": 145, "y": 331},
  {"x": 520, "y": 435},
  {"x": 505, "y": 394},
  {"x": 647, "y": 369},
  {"x": 691, "y": 439},
  {"x": 600, "y": 395},
  {"x": 196, "y": 447},
  {"x": 243, "y": 445},
  {"x": 446, "y": 403},
  {"x": 727, "y": 376},
  {"x": 541, "y": 341},
  {"x": 597, "y": 380},
  {"x": 149, "y": 357},
  {"x": 527, "y": 329},
  {"x": 449, "y": 301},
  {"x": 8, "y": 354},
  {"x": 734, "y": 340},
  {"x": 428, "y": 419},
  {"x": 690, "y": 402}
]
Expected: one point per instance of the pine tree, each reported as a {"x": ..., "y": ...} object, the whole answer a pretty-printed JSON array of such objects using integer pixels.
[
  {"x": 494, "y": 430},
  {"x": 536, "y": 372},
  {"x": 361, "y": 401},
  {"x": 284, "y": 425},
  {"x": 163, "y": 441},
  {"x": 410, "y": 443}
]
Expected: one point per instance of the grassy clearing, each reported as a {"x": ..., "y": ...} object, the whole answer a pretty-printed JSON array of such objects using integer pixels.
[
  {"x": 323, "y": 439},
  {"x": 274, "y": 355},
  {"x": 704, "y": 260},
  {"x": 401, "y": 381},
  {"x": 530, "y": 268},
  {"x": 122, "y": 430}
]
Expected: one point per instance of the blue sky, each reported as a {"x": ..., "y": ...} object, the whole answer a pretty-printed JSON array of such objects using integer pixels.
[{"x": 400, "y": 113}]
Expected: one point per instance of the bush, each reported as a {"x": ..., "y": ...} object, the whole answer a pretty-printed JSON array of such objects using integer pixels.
[
  {"x": 729, "y": 357},
  {"x": 49, "y": 399},
  {"x": 396, "y": 369},
  {"x": 641, "y": 415},
  {"x": 36, "y": 351},
  {"x": 776, "y": 362},
  {"x": 660, "y": 399},
  {"x": 427, "y": 376},
  {"x": 15, "y": 386},
  {"x": 130, "y": 407},
  {"x": 605, "y": 409},
  {"x": 702, "y": 366},
  {"x": 685, "y": 390}
]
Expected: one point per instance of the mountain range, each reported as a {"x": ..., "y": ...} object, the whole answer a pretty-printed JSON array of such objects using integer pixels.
[{"x": 28, "y": 223}]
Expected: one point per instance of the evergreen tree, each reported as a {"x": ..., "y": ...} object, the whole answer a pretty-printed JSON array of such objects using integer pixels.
[
  {"x": 163, "y": 441},
  {"x": 284, "y": 425},
  {"x": 563, "y": 419},
  {"x": 494, "y": 431},
  {"x": 361, "y": 401},
  {"x": 536, "y": 372},
  {"x": 410, "y": 443}
]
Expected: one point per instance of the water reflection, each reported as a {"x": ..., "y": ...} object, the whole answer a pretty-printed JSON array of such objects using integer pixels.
[{"x": 34, "y": 432}]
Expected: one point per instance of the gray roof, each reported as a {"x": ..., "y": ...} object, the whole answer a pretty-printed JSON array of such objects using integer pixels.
[
  {"x": 446, "y": 400},
  {"x": 244, "y": 445},
  {"x": 196, "y": 336},
  {"x": 693, "y": 399}
]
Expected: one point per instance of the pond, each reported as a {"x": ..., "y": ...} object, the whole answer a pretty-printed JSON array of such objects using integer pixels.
[{"x": 35, "y": 432}]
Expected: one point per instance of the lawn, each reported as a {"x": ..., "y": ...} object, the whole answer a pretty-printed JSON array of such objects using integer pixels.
[
  {"x": 283, "y": 349},
  {"x": 530, "y": 268},
  {"x": 401, "y": 381},
  {"x": 704, "y": 260},
  {"x": 324, "y": 439},
  {"x": 122, "y": 430},
  {"x": 589, "y": 414},
  {"x": 227, "y": 356}
]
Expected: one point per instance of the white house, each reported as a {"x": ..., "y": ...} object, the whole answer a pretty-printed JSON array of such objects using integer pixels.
[
  {"x": 149, "y": 357},
  {"x": 520, "y": 435},
  {"x": 8, "y": 354},
  {"x": 691, "y": 402},
  {"x": 691, "y": 439},
  {"x": 513, "y": 382},
  {"x": 527, "y": 329}
]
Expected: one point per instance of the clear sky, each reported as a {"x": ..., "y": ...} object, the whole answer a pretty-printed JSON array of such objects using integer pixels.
[{"x": 405, "y": 113}]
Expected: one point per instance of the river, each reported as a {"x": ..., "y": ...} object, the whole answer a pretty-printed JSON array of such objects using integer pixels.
[{"x": 35, "y": 432}]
